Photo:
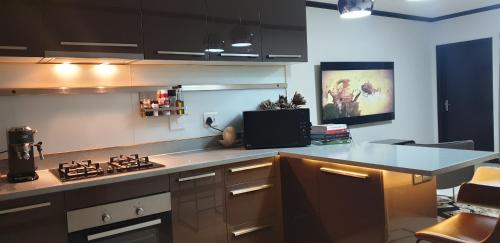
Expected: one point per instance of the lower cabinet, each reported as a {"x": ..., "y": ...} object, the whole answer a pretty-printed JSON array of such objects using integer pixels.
[
  {"x": 34, "y": 219},
  {"x": 198, "y": 206},
  {"x": 327, "y": 202},
  {"x": 351, "y": 203}
]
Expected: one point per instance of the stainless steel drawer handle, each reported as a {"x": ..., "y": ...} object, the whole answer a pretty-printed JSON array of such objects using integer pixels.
[
  {"x": 25, "y": 208},
  {"x": 250, "y": 189},
  {"x": 181, "y": 53},
  {"x": 250, "y": 167},
  {"x": 249, "y": 230},
  {"x": 14, "y": 48},
  {"x": 123, "y": 230},
  {"x": 283, "y": 56},
  {"x": 70, "y": 43},
  {"x": 238, "y": 55},
  {"x": 191, "y": 178},
  {"x": 344, "y": 173}
]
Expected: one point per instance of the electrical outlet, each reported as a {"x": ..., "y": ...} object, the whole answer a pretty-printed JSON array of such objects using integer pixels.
[{"x": 212, "y": 115}]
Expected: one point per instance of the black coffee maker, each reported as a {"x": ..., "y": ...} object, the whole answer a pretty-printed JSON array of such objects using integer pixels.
[{"x": 21, "y": 159}]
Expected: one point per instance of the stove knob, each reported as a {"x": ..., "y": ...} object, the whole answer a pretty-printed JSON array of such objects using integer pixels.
[
  {"x": 106, "y": 217},
  {"x": 139, "y": 211}
]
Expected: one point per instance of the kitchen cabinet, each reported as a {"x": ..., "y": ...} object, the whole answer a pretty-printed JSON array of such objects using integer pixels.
[
  {"x": 175, "y": 30},
  {"x": 328, "y": 202},
  {"x": 198, "y": 206},
  {"x": 301, "y": 201},
  {"x": 22, "y": 28},
  {"x": 112, "y": 26},
  {"x": 283, "y": 28},
  {"x": 351, "y": 203},
  {"x": 34, "y": 218},
  {"x": 253, "y": 197},
  {"x": 234, "y": 27}
]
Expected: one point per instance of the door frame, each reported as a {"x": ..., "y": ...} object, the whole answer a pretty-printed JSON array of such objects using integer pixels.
[{"x": 441, "y": 86}]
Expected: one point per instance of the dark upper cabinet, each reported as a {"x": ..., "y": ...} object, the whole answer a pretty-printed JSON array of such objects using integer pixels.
[
  {"x": 34, "y": 219},
  {"x": 21, "y": 28},
  {"x": 234, "y": 26},
  {"x": 175, "y": 29},
  {"x": 93, "y": 25},
  {"x": 283, "y": 28}
]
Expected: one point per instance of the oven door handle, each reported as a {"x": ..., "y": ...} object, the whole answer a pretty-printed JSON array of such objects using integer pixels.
[{"x": 123, "y": 230}]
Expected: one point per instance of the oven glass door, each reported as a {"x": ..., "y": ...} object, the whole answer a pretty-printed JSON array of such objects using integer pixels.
[{"x": 150, "y": 229}]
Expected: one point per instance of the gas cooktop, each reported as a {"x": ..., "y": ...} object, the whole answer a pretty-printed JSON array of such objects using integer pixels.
[{"x": 116, "y": 165}]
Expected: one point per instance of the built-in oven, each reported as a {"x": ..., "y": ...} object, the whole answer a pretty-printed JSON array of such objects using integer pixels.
[{"x": 140, "y": 220}]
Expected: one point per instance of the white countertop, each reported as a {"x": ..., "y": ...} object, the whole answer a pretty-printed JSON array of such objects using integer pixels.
[
  {"x": 398, "y": 158},
  {"x": 406, "y": 159}
]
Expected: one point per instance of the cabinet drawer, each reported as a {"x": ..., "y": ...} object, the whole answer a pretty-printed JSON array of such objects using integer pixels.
[
  {"x": 92, "y": 196},
  {"x": 261, "y": 231},
  {"x": 28, "y": 219},
  {"x": 252, "y": 201},
  {"x": 250, "y": 171}
]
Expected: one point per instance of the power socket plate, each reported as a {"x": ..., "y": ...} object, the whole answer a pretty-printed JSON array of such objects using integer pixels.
[{"x": 212, "y": 115}]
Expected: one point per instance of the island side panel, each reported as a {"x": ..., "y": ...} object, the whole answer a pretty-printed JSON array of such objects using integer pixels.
[{"x": 409, "y": 207}]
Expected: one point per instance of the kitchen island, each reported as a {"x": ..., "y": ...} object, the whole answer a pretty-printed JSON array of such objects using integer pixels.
[{"x": 342, "y": 193}]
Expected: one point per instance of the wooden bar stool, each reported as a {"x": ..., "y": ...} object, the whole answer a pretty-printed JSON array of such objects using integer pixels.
[{"x": 484, "y": 190}]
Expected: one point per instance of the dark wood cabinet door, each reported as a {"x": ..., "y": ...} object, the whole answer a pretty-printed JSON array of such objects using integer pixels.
[
  {"x": 233, "y": 22},
  {"x": 21, "y": 28},
  {"x": 175, "y": 29},
  {"x": 284, "y": 35},
  {"x": 198, "y": 206},
  {"x": 351, "y": 203},
  {"x": 93, "y": 25},
  {"x": 301, "y": 201},
  {"x": 35, "y": 219}
]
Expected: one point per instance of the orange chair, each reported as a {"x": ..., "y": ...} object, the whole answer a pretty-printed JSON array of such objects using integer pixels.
[{"x": 484, "y": 190}]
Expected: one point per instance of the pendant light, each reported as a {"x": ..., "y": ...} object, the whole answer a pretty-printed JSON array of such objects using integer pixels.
[{"x": 351, "y": 9}]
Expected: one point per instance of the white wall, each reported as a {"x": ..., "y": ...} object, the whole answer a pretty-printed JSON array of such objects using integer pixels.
[
  {"x": 471, "y": 27},
  {"x": 406, "y": 43},
  {"x": 80, "y": 122}
]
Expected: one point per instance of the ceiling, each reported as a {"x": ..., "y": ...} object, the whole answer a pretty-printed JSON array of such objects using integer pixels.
[{"x": 427, "y": 8}]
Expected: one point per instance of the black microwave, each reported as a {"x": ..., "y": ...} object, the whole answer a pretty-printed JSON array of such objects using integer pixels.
[{"x": 276, "y": 128}]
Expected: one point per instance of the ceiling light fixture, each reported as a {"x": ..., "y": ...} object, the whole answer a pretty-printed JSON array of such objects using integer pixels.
[{"x": 352, "y": 9}]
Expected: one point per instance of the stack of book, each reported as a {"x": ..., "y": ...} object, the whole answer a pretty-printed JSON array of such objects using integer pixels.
[{"x": 330, "y": 134}]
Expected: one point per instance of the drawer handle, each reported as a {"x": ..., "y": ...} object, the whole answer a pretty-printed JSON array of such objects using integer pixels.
[
  {"x": 191, "y": 178},
  {"x": 71, "y": 43},
  {"x": 250, "y": 189},
  {"x": 344, "y": 173},
  {"x": 250, "y": 167},
  {"x": 283, "y": 56},
  {"x": 238, "y": 55},
  {"x": 250, "y": 230},
  {"x": 15, "y": 48},
  {"x": 25, "y": 208},
  {"x": 181, "y": 53}
]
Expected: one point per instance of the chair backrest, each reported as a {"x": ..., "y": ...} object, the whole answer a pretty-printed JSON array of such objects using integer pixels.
[
  {"x": 464, "y": 145},
  {"x": 455, "y": 178}
]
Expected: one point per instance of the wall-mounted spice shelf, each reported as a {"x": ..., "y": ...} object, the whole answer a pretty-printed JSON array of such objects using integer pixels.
[{"x": 162, "y": 102}]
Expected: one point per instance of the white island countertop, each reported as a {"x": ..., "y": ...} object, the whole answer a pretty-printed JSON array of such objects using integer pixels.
[
  {"x": 398, "y": 158},
  {"x": 405, "y": 159}
]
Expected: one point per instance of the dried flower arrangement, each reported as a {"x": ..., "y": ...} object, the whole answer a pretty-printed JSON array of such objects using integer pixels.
[{"x": 282, "y": 103}]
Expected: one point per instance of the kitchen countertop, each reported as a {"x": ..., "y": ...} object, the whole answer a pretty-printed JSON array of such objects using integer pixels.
[{"x": 406, "y": 159}]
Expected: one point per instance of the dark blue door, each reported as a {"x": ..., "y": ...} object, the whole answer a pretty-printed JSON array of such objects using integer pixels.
[{"x": 465, "y": 92}]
